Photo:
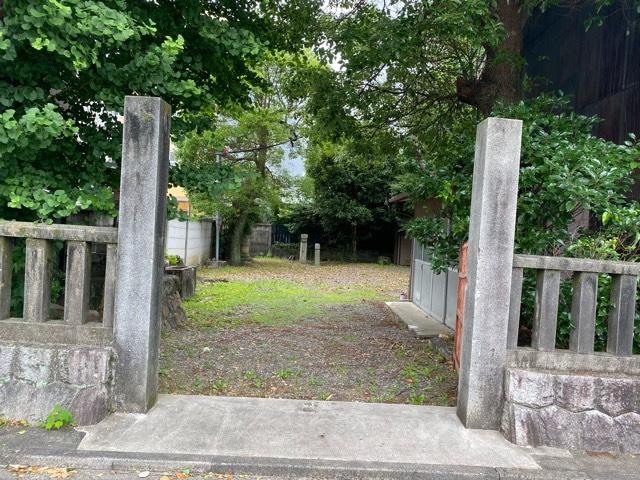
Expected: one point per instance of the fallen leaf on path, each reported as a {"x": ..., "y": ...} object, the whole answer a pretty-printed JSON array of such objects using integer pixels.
[{"x": 52, "y": 472}]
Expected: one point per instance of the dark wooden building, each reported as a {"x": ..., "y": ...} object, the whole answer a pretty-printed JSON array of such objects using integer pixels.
[{"x": 599, "y": 67}]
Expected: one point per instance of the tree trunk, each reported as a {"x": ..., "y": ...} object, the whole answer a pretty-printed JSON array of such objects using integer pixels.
[
  {"x": 354, "y": 243},
  {"x": 262, "y": 156},
  {"x": 502, "y": 75},
  {"x": 236, "y": 239}
]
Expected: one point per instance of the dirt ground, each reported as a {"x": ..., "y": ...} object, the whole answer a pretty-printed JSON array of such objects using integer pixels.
[{"x": 285, "y": 330}]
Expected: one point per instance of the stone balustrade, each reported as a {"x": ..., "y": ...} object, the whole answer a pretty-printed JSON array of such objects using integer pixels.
[
  {"x": 87, "y": 364},
  {"x": 624, "y": 278},
  {"x": 35, "y": 325},
  {"x": 577, "y": 398}
]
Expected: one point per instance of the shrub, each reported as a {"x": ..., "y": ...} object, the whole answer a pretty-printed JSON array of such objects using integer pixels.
[{"x": 565, "y": 170}]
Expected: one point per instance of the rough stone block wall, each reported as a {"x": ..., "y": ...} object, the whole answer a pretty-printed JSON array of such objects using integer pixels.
[
  {"x": 589, "y": 412},
  {"x": 173, "y": 315},
  {"x": 33, "y": 378}
]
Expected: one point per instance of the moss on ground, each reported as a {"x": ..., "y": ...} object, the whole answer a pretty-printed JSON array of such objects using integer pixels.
[{"x": 267, "y": 302}]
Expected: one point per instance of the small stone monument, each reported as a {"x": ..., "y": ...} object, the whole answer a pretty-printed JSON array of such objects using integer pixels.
[
  {"x": 317, "y": 254},
  {"x": 303, "y": 248}
]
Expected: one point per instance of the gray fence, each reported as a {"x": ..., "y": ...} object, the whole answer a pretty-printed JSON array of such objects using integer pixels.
[{"x": 434, "y": 293}]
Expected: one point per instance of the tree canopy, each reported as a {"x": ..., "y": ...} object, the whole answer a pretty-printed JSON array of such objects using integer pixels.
[{"x": 66, "y": 65}]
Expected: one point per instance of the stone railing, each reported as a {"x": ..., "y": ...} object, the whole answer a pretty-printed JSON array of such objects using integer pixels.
[
  {"x": 87, "y": 362},
  {"x": 573, "y": 398},
  {"x": 36, "y": 324},
  {"x": 550, "y": 272}
]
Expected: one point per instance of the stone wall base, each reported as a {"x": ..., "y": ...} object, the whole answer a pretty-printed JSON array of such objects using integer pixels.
[
  {"x": 588, "y": 412},
  {"x": 173, "y": 315},
  {"x": 33, "y": 378}
]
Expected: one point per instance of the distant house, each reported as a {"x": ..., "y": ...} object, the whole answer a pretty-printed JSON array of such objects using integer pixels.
[
  {"x": 434, "y": 293},
  {"x": 180, "y": 195},
  {"x": 402, "y": 245},
  {"x": 191, "y": 240}
]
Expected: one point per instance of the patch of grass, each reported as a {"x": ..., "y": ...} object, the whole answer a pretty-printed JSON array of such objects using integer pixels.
[
  {"x": 219, "y": 385},
  {"x": 387, "y": 395},
  {"x": 285, "y": 373},
  {"x": 267, "y": 302}
]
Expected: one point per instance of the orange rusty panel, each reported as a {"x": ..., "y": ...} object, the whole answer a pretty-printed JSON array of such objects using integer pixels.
[{"x": 462, "y": 286}]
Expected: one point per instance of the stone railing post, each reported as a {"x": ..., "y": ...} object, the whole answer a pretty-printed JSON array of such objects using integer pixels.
[
  {"x": 490, "y": 262},
  {"x": 316, "y": 256},
  {"x": 141, "y": 245},
  {"x": 303, "y": 248}
]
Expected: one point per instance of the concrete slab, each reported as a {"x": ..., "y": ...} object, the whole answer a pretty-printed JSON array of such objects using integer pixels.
[
  {"x": 306, "y": 430},
  {"x": 418, "y": 322}
]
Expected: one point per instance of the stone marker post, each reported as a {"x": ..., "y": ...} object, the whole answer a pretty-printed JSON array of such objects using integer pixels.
[
  {"x": 303, "y": 248},
  {"x": 141, "y": 246},
  {"x": 316, "y": 256},
  {"x": 490, "y": 260}
]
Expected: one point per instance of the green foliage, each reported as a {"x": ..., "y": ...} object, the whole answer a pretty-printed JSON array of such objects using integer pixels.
[
  {"x": 400, "y": 62},
  {"x": 234, "y": 166},
  {"x": 173, "y": 260},
  {"x": 58, "y": 418},
  {"x": 66, "y": 65},
  {"x": 565, "y": 171},
  {"x": 348, "y": 195}
]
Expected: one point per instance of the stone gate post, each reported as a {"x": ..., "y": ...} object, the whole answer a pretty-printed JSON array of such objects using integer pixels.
[
  {"x": 490, "y": 259},
  {"x": 141, "y": 247}
]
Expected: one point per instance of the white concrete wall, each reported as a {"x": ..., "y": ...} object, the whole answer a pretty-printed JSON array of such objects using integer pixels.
[{"x": 190, "y": 240}]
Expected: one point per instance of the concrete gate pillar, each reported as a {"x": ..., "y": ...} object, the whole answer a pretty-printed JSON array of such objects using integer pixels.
[
  {"x": 490, "y": 260},
  {"x": 141, "y": 246}
]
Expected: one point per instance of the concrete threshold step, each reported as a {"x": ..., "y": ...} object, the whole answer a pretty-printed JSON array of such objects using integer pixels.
[
  {"x": 304, "y": 431},
  {"x": 300, "y": 439},
  {"x": 417, "y": 321}
]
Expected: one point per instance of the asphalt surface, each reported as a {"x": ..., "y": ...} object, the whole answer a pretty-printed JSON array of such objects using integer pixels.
[{"x": 31, "y": 447}]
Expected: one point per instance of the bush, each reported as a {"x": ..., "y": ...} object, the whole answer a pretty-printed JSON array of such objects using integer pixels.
[{"x": 565, "y": 171}]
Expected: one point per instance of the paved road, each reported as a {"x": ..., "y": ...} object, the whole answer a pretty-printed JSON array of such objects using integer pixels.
[
  {"x": 8, "y": 473},
  {"x": 35, "y": 446}
]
